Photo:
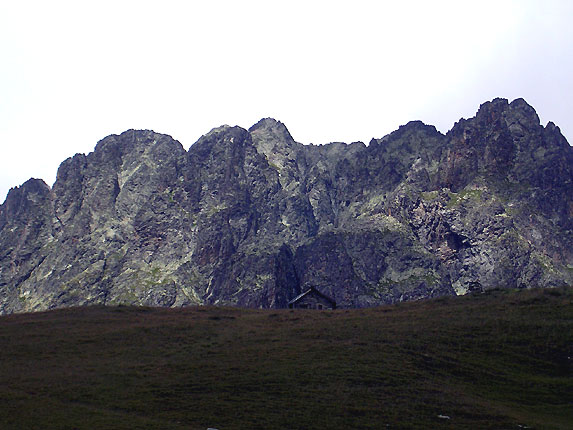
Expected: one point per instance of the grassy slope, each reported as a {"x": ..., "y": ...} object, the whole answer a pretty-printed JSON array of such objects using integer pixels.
[{"x": 496, "y": 360}]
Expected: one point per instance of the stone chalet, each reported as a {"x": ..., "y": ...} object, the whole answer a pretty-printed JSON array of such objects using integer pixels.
[{"x": 312, "y": 299}]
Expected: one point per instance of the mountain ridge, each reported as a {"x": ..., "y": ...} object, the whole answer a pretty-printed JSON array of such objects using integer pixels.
[{"x": 252, "y": 217}]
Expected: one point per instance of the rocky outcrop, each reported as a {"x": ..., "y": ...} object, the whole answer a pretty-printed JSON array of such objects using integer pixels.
[{"x": 251, "y": 217}]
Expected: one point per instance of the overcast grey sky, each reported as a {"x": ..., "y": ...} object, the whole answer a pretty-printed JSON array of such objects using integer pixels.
[{"x": 73, "y": 72}]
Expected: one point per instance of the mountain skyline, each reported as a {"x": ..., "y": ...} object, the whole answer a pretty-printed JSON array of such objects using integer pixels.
[
  {"x": 279, "y": 121},
  {"x": 333, "y": 71},
  {"x": 251, "y": 218}
]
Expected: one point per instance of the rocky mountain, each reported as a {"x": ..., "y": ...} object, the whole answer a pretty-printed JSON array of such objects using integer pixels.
[{"x": 251, "y": 217}]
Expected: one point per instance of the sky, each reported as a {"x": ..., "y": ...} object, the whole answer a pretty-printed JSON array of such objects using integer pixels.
[{"x": 74, "y": 72}]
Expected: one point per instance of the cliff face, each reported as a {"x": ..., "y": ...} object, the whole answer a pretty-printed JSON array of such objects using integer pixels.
[{"x": 251, "y": 218}]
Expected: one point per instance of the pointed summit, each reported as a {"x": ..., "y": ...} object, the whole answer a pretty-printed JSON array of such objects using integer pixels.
[
  {"x": 23, "y": 200},
  {"x": 273, "y": 129}
]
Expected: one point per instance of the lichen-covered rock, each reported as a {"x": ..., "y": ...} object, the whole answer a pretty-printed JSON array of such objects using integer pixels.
[{"x": 252, "y": 218}]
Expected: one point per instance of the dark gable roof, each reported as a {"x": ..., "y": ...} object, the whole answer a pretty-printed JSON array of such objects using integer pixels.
[{"x": 311, "y": 290}]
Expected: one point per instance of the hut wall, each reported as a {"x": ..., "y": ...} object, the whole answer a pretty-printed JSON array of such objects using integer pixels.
[{"x": 313, "y": 301}]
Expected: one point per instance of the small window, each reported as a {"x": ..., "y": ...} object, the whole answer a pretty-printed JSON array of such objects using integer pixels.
[{"x": 319, "y": 306}]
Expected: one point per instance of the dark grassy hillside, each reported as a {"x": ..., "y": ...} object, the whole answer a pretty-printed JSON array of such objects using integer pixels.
[{"x": 500, "y": 360}]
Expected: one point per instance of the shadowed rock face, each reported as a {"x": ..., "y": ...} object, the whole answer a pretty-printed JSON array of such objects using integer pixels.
[{"x": 252, "y": 218}]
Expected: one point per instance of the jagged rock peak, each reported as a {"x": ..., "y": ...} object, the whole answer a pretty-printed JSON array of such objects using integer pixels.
[
  {"x": 131, "y": 139},
  {"x": 414, "y": 126},
  {"x": 21, "y": 201},
  {"x": 220, "y": 129},
  {"x": 224, "y": 133},
  {"x": 269, "y": 123},
  {"x": 272, "y": 127},
  {"x": 32, "y": 187},
  {"x": 499, "y": 108}
]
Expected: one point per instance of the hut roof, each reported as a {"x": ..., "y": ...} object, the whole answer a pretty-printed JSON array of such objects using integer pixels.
[{"x": 311, "y": 290}]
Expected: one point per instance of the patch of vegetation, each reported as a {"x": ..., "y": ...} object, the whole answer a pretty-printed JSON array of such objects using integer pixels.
[
  {"x": 429, "y": 195},
  {"x": 396, "y": 287},
  {"x": 213, "y": 210},
  {"x": 544, "y": 261},
  {"x": 116, "y": 256},
  {"x": 497, "y": 360},
  {"x": 505, "y": 189},
  {"x": 457, "y": 199},
  {"x": 153, "y": 278}
]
